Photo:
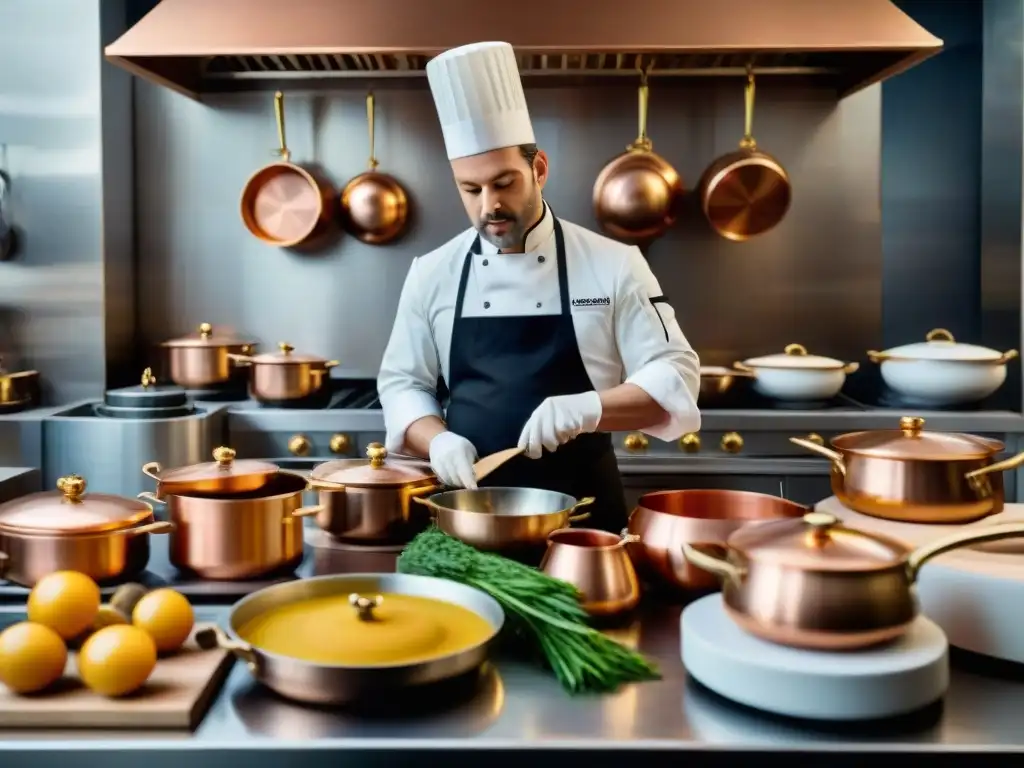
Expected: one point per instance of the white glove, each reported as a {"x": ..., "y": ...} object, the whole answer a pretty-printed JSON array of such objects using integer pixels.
[
  {"x": 558, "y": 420},
  {"x": 451, "y": 458}
]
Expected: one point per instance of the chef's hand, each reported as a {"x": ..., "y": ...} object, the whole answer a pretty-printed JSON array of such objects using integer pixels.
[
  {"x": 558, "y": 420},
  {"x": 451, "y": 458}
]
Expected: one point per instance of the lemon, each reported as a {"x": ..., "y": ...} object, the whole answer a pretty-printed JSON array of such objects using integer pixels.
[
  {"x": 32, "y": 657},
  {"x": 166, "y": 616},
  {"x": 117, "y": 660},
  {"x": 65, "y": 601}
]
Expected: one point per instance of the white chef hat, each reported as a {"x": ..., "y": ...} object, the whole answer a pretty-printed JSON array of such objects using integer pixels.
[{"x": 479, "y": 99}]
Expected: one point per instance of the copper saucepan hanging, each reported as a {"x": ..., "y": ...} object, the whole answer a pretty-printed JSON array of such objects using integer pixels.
[
  {"x": 747, "y": 192},
  {"x": 374, "y": 206},
  {"x": 637, "y": 195},
  {"x": 283, "y": 204}
]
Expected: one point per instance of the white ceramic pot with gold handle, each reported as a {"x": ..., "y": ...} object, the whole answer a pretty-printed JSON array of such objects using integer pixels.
[{"x": 797, "y": 376}]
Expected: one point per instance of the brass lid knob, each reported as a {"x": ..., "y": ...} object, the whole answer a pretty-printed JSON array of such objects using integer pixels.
[
  {"x": 205, "y": 330},
  {"x": 72, "y": 486},
  {"x": 911, "y": 425},
  {"x": 148, "y": 379},
  {"x": 376, "y": 453},
  {"x": 795, "y": 349},
  {"x": 285, "y": 347},
  {"x": 223, "y": 455}
]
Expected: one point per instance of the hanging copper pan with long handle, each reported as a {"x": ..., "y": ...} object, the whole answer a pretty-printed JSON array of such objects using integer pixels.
[
  {"x": 374, "y": 206},
  {"x": 747, "y": 192},
  {"x": 283, "y": 204},
  {"x": 637, "y": 195}
]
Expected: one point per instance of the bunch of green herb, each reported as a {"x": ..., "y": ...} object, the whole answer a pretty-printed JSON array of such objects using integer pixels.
[{"x": 544, "y": 609}]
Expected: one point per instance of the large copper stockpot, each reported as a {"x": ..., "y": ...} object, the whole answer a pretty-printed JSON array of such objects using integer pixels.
[
  {"x": 233, "y": 519},
  {"x": 914, "y": 476},
  {"x": 815, "y": 583},
  {"x": 284, "y": 375},
  {"x": 98, "y": 534},
  {"x": 203, "y": 360},
  {"x": 369, "y": 501},
  {"x": 597, "y": 564},
  {"x": 665, "y": 520},
  {"x": 323, "y": 683},
  {"x": 498, "y": 519}
]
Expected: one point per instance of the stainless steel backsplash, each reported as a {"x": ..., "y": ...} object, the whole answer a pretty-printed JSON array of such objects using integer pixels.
[{"x": 816, "y": 279}]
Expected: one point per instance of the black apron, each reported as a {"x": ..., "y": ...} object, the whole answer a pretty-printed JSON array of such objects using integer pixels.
[{"x": 500, "y": 370}]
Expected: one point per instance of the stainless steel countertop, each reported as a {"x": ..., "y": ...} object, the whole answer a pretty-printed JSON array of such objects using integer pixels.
[{"x": 514, "y": 705}]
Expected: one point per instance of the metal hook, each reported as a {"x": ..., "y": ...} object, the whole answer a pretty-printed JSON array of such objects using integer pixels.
[{"x": 643, "y": 70}]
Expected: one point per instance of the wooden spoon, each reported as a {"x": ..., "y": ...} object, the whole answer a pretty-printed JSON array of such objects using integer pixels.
[{"x": 488, "y": 464}]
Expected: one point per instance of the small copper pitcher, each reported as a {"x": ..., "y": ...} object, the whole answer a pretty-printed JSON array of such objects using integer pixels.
[{"x": 597, "y": 564}]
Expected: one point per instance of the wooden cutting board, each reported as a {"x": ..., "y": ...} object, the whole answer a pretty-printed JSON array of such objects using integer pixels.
[{"x": 177, "y": 695}]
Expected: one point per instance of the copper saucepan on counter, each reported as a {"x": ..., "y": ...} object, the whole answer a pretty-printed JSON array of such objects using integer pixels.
[
  {"x": 203, "y": 360},
  {"x": 916, "y": 476},
  {"x": 232, "y": 519},
  {"x": 637, "y": 196},
  {"x": 664, "y": 521},
  {"x": 815, "y": 583},
  {"x": 284, "y": 375},
  {"x": 597, "y": 564},
  {"x": 718, "y": 382},
  {"x": 368, "y": 501},
  {"x": 98, "y": 534},
  {"x": 497, "y": 519}
]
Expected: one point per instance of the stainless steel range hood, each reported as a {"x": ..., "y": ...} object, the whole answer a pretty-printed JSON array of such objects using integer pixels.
[{"x": 207, "y": 46}]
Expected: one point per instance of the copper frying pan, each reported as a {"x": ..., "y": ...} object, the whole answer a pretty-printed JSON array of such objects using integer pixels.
[
  {"x": 747, "y": 192},
  {"x": 637, "y": 195},
  {"x": 374, "y": 206},
  {"x": 283, "y": 204}
]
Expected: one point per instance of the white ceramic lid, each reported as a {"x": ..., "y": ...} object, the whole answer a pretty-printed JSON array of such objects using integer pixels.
[
  {"x": 939, "y": 344},
  {"x": 795, "y": 356}
]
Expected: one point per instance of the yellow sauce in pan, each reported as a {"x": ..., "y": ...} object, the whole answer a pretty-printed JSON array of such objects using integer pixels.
[{"x": 405, "y": 629}]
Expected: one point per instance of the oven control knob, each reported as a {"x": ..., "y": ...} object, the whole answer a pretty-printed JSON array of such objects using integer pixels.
[
  {"x": 340, "y": 443},
  {"x": 690, "y": 442},
  {"x": 299, "y": 445},
  {"x": 636, "y": 441},
  {"x": 731, "y": 442}
]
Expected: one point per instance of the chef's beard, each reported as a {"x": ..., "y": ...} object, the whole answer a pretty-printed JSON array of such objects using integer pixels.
[{"x": 516, "y": 235}]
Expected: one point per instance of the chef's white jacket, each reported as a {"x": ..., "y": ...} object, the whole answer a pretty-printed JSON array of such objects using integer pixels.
[{"x": 622, "y": 335}]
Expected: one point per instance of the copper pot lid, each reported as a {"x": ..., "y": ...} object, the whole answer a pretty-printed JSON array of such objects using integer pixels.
[
  {"x": 286, "y": 355},
  {"x": 376, "y": 470},
  {"x": 71, "y": 510},
  {"x": 206, "y": 336},
  {"x": 223, "y": 467},
  {"x": 796, "y": 357},
  {"x": 816, "y": 542},
  {"x": 911, "y": 441}
]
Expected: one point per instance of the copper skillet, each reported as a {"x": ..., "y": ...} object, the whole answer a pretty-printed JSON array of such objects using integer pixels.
[
  {"x": 374, "y": 206},
  {"x": 637, "y": 196},
  {"x": 747, "y": 192},
  {"x": 283, "y": 204}
]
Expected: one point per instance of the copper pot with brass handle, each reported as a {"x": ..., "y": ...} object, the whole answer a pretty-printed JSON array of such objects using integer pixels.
[
  {"x": 816, "y": 583},
  {"x": 374, "y": 206},
  {"x": 286, "y": 376},
  {"x": 202, "y": 359},
  {"x": 18, "y": 389},
  {"x": 638, "y": 195},
  {"x": 913, "y": 475},
  {"x": 104, "y": 536}
]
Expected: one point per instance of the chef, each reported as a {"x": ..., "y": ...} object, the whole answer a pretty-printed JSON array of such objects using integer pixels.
[{"x": 547, "y": 335}]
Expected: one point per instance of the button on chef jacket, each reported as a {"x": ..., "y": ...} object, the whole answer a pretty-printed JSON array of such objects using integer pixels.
[{"x": 623, "y": 336}]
